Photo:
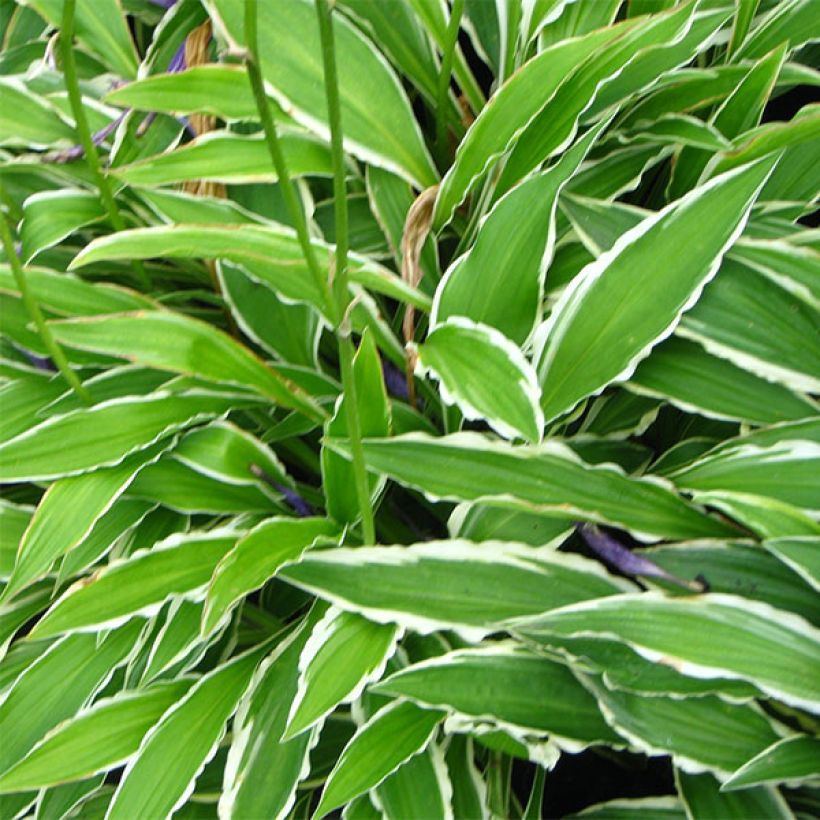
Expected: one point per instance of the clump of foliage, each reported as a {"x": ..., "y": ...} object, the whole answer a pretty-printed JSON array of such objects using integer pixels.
[{"x": 401, "y": 399}]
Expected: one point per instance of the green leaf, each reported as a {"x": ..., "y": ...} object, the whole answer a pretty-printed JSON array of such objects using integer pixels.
[
  {"x": 790, "y": 760},
  {"x": 741, "y": 569},
  {"x": 140, "y": 584},
  {"x": 740, "y": 111},
  {"x": 801, "y": 554},
  {"x": 123, "y": 517},
  {"x": 95, "y": 740},
  {"x": 186, "y": 488},
  {"x": 288, "y": 331},
  {"x": 101, "y": 27},
  {"x": 469, "y": 788},
  {"x": 50, "y": 216},
  {"x": 102, "y": 435},
  {"x": 67, "y": 513},
  {"x": 217, "y": 89},
  {"x": 793, "y": 22},
  {"x": 756, "y": 324},
  {"x": 21, "y": 610},
  {"x": 392, "y": 736},
  {"x": 692, "y": 379},
  {"x": 190, "y": 733},
  {"x": 702, "y": 796},
  {"x": 499, "y": 281},
  {"x": 745, "y": 638},
  {"x": 624, "y": 669},
  {"x": 515, "y": 689},
  {"x": 28, "y": 120},
  {"x": 255, "y": 558},
  {"x": 379, "y": 126},
  {"x": 679, "y": 130},
  {"x": 171, "y": 341},
  {"x": 222, "y": 156},
  {"x": 671, "y": 726},
  {"x": 23, "y": 401},
  {"x": 56, "y": 686},
  {"x": 67, "y": 295},
  {"x": 420, "y": 787},
  {"x": 786, "y": 472},
  {"x": 343, "y": 654},
  {"x": 481, "y": 522},
  {"x": 792, "y": 267},
  {"x": 256, "y": 747},
  {"x": 177, "y": 645},
  {"x": 338, "y": 479},
  {"x": 509, "y": 112},
  {"x": 271, "y": 255},
  {"x": 600, "y": 329},
  {"x": 766, "y": 517},
  {"x": 548, "y": 478},
  {"x": 485, "y": 375},
  {"x": 652, "y": 808},
  {"x": 14, "y": 519},
  {"x": 413, "y": 586},
  {"x": 646, "y": 48}
]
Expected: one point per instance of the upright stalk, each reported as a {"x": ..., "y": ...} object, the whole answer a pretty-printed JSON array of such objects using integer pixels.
[
  {"x": 278, "y": 158},
  {"x": 448, "y": 49},
  {"x": 336, "y": 299},
  {"x": 84, "y": 132},
  {"x": 340, "y": 284},
  {"x": 50, "y": 343}
]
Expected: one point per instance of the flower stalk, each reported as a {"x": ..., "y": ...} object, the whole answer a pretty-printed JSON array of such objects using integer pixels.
[
  {"x": 33, "y": 309},
  {"x": 336, "y": 297},
  {"x": 84, "y": 131}
]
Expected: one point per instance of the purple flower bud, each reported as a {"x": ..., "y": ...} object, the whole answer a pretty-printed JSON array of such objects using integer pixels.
[
  {"x": 617, "y": 555},
  {"x": 300, "y": 506}
]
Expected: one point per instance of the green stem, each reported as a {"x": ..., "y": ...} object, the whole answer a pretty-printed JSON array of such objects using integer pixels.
[
  {"x": 84, "y": 132},
  {"x": 451, "y": 38},
  {"x": 286, "y": 186},
  {"x": 341, "y": 289},
  {"x": 50, "y": 343}
]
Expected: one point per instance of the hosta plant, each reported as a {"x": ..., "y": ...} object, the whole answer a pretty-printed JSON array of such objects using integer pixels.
[{"x": 408, "y": 409}]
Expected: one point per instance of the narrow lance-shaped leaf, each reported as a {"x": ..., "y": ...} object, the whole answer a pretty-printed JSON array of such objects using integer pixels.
[
  {"x": 393, "y": 735},
  {"x": 509, "y": 112},
  {"x": 548, "y": 478},
  {"x": 786, "y": 472},
  {"x": 67, "y": 513},
  {"x": 229, "y": 158},
  {"x": 343, "y": 654},
  {"x": 56, "y": 685},
  {"x": 256, "y": 558},
  {"x": 703, "y": 797},
  {"x": 775, "y": 650},
  {"x": 791, "y": 760},
  {"x": 95, "y": 740},
  {"x": 102, "y": 435},
  {"x": 515, "y": 689},
  {"x": 420, "y": 787},
  {"x": 256, "y": 747},
  {"x": 50, "y": 216},
  {"x": 485, "y": 375},
  {"x": 171, "y": 341},
  {"x": 600, "y": 328},
  {"x": 674, "y": 726},
  {"x": 801, "y": 554},
  {"x": 414, "y": 586},
  {"x": 271, "y": 255},
  {"x": 190, "y": 732},
  {"x": 138, "y": 585},
  {"x": 338, "y": 479},
  {"x": 500, "y": 280},
  {"x": 379, "y": 126}
]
